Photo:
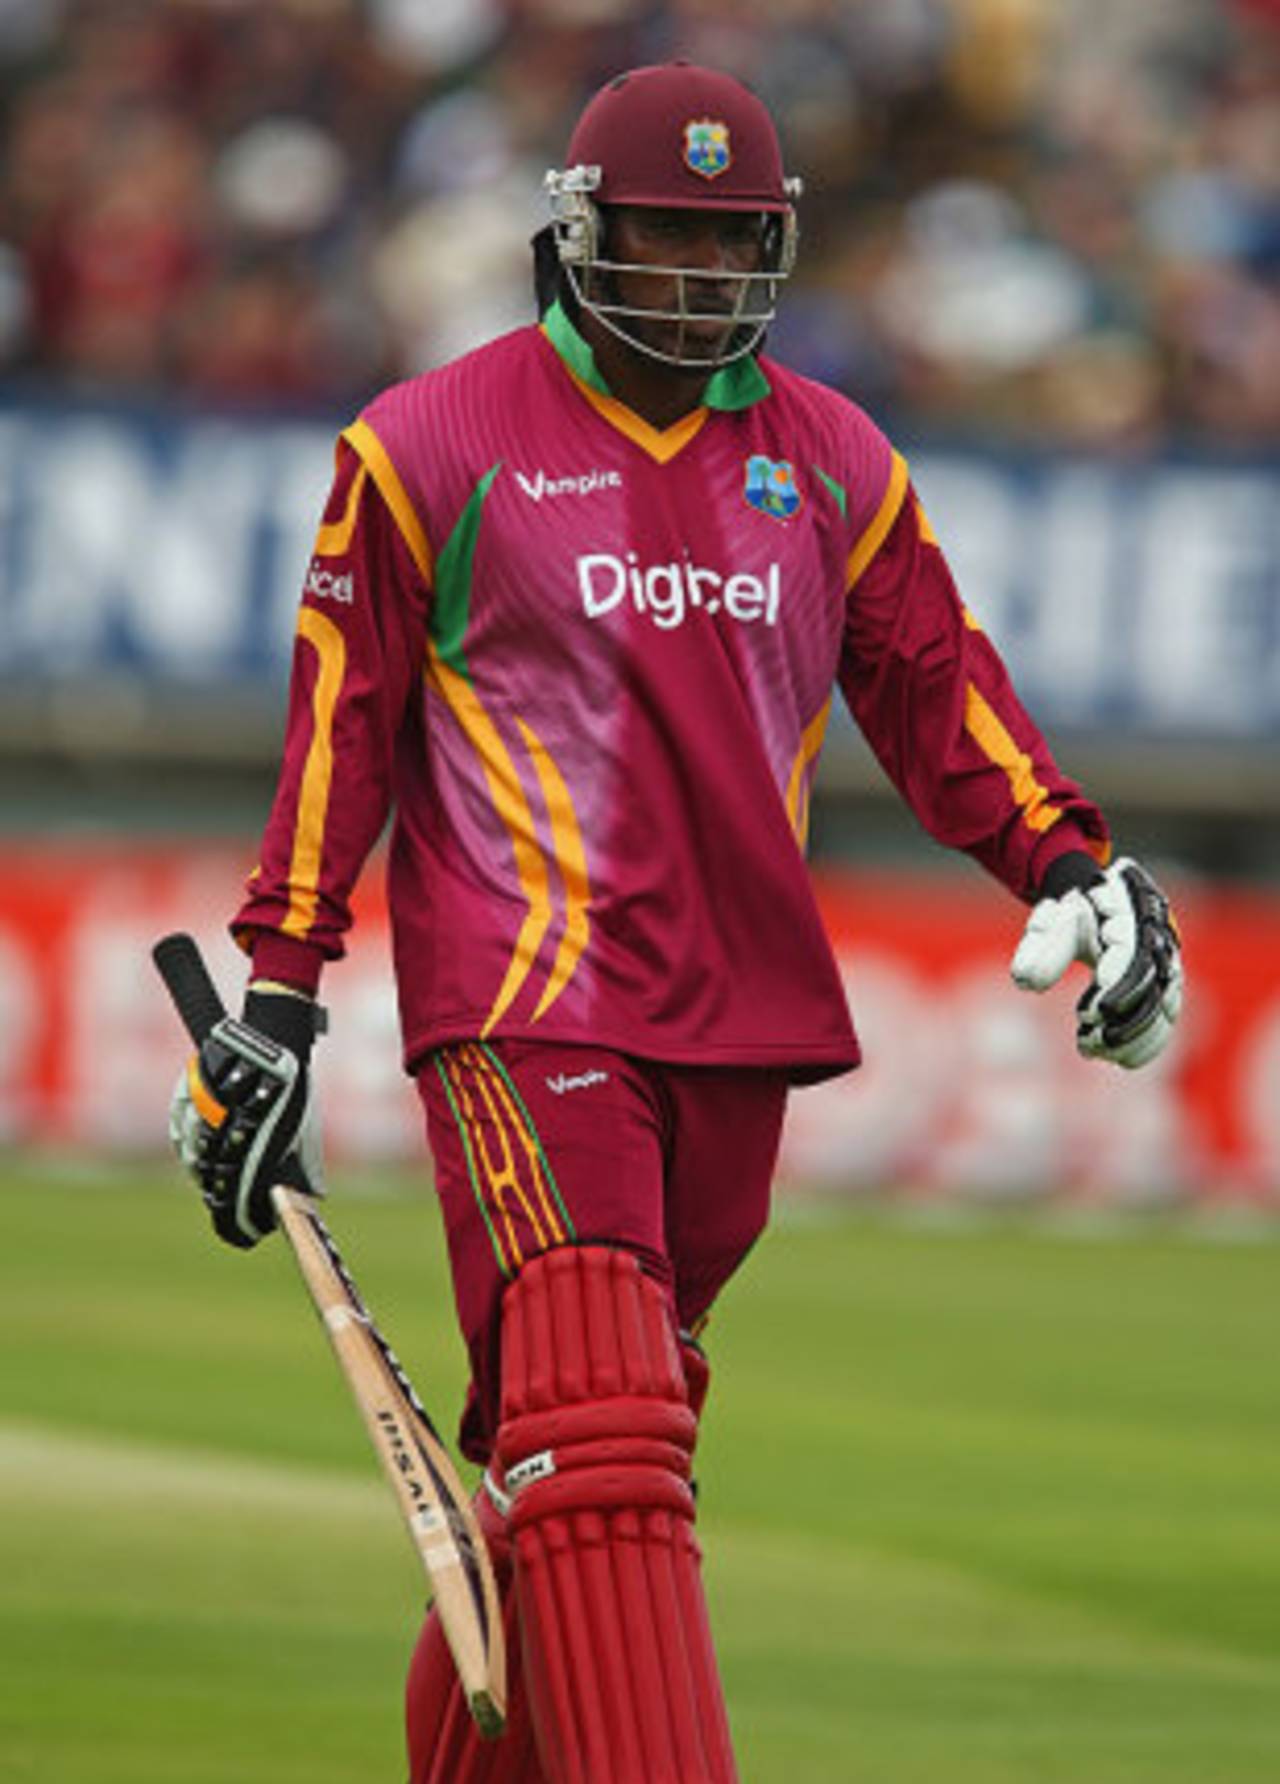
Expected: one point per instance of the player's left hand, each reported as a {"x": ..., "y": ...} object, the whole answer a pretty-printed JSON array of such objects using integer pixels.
[{"x": 1121, "y": 927}]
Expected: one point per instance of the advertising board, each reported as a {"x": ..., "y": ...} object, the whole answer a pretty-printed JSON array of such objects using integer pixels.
[{"x": 970, "y": 1088}]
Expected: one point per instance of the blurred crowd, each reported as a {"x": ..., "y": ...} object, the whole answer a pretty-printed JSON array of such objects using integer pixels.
[{"x": 1052, "y": 220}]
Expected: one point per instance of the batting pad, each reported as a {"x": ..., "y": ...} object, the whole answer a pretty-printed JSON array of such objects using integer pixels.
[
  {"x": 445, "y": 1747},
  {"x": 596, "y": 1440}
]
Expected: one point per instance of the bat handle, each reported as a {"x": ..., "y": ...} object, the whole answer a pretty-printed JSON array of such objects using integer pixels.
[{"x": 195, "y": 996}]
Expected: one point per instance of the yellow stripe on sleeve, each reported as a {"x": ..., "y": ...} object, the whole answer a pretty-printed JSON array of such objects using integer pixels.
[
  {"x": 313, "y": 800},
  {"x": 335, "y": 536},
  {"x": 991, "y": 736},
  {"x": 393, "y": 492},
  {"x": 874, "y": 536}
]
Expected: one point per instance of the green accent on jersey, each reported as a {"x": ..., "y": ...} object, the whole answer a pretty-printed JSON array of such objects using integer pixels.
[
  {"x": 519, "y": 1101},
  {"x": 571, "y": 347},
  {"x": 838, "y": 492},
  {"x": 735, "y": 386},
  {"x": 471, "y": 1163},
  {"x": 451, "y": 607}
]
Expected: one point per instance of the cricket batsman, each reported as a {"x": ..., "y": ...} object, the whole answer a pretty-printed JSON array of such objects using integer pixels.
[{"x": 577, "y": 610}]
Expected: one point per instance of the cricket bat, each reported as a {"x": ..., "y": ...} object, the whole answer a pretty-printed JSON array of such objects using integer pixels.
[{"x": 431, "y": 1497}]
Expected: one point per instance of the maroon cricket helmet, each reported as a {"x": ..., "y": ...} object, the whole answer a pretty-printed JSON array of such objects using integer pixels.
[
  {"x": 679, "y": 134},
  {"x": 674, "y": 136}
]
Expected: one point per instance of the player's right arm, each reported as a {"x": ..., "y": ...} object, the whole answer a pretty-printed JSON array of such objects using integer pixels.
[
  {"x": 357, "y": 662},
  {"x": 242, "y": 1115}
]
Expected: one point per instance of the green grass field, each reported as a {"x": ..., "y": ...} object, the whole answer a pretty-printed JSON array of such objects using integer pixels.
[{"x": 984, "y": 1506}]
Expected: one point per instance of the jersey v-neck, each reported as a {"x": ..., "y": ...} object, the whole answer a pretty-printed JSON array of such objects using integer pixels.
[{"x": 733, "y": 387}]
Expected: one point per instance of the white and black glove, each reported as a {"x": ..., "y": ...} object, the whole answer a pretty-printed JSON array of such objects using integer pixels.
[
  {"x": 243, "y": 1117},
  {"x": 1119, "y": 924}
]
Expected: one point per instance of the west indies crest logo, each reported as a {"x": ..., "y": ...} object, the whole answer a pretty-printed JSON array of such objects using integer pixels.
[
  {"x": 771, "y": 487},
  {"x": 706, "y": 147}
]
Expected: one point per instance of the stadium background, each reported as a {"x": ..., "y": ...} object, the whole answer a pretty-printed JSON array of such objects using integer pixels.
[
  {"x": 1040, "y": 244},
  {"x": 1014, "y": 1516}
]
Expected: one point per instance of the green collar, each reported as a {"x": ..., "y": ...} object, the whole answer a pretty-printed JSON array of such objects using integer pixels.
[{"x": 734, "y": 386}]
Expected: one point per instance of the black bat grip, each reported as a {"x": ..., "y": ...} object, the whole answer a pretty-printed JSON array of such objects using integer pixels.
[{"x": 195, "y": 996}]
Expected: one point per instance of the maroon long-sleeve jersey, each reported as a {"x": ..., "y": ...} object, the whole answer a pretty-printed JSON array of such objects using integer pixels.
[{"x": 588, "y": 666}]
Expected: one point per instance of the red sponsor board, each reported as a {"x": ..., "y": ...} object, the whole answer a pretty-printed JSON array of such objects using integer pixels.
[
  {"x": 972, "y": 1086},
  {"x": 969, "y": 1086}
]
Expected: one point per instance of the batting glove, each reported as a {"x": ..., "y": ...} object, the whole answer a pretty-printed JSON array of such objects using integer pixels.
[
  {"x": 1122, "y": 928},
  {"x": 243, "y": 1118}
]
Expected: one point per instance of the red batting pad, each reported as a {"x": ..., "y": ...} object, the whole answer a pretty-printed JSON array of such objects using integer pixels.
[
  {"x": 444, "y": 1744},
  {"x": 596, "y": 1440}
]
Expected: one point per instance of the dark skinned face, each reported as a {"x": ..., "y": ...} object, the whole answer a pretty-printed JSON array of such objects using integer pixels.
[{"x": 705, "y": 244}]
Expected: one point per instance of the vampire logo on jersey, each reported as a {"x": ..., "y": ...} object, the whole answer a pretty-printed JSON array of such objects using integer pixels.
[{"x": 770, "y": 487}]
